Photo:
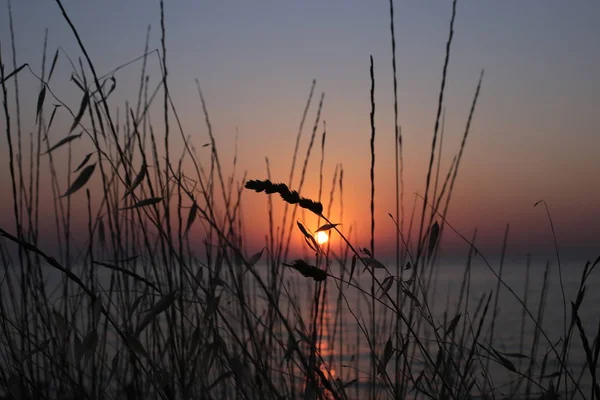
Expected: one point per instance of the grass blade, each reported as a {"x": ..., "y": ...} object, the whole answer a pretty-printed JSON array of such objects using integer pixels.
[
  {"x": 63, "y": 142},
  {"x": 138, "y": 179},
  {"x": 82, "y": 108},
  {"x": 372, "y": 262},
  {"x": 327, "y": 227},
  {"x": 433, "y": 238},
  {"x": 386, "y": 285},
  {"x": 16, "y": 71},
  {"x": 143, "y": 203},
  {"x": 352, "y": 267},
  {"x": 255, "y": 258},
  {"x": 191, "y": 217},
  {"x": 81, "y": 180},
  {"x": 387, "y": 355},
  {"x": 85, "y": 160},
  {"x": 165, "y": 302},
  {"x": 54, "y": 60},
  {"x": 40, "y": 103}
]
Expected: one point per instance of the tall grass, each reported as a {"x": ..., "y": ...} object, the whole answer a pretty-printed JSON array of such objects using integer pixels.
[{"x": 134, "y": 307}]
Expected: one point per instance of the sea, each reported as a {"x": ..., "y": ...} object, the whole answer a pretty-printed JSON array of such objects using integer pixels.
[{"x": 517, "y": 349}]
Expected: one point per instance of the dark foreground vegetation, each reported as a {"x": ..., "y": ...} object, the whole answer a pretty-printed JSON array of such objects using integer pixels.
[{"x": 132, "y": 308}]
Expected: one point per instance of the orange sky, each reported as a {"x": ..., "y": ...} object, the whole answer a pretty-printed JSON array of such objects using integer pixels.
[{"x": 534, "y": 135}]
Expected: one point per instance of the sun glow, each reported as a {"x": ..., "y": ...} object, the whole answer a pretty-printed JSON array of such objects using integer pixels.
[{"x": 322, "y": 237}]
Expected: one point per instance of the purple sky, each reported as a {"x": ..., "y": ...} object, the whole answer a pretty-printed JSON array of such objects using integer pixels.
[{"x": 534, "y": 136}]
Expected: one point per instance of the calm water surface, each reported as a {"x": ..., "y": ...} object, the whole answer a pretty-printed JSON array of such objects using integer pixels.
[{"x": 346, "y": 352}]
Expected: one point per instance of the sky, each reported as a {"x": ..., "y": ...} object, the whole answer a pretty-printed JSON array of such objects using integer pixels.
[{"x": 534, "y": 134}]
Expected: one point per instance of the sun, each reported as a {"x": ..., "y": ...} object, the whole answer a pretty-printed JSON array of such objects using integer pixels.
[{"x": 322, "y": 237}]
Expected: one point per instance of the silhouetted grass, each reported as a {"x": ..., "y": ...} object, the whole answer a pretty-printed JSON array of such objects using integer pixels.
[{"x": 134, "y": 306}]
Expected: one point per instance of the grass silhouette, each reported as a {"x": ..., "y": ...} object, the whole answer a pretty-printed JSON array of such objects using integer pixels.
[{"x": 140, "y": 311}]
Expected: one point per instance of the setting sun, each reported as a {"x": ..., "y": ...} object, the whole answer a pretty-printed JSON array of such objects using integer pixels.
[{"x": 322, "y": 237}]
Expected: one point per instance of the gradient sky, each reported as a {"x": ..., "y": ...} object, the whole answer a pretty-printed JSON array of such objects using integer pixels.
[{"x": 534, "y": 135}]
